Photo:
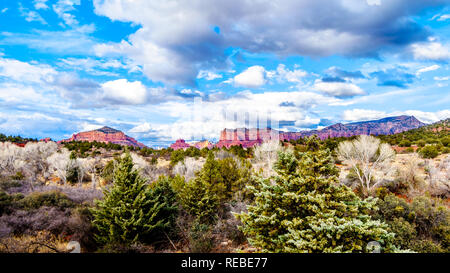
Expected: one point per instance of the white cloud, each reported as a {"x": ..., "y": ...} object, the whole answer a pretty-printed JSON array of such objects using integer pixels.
[
  {"x": 208, "y": 75},
  {"x": 373, "y": 2},
  {"x": 124, "y": 92},
  {"x": 364, "y": 114},
  {"x": 141, "y": 128},
  {"x": 428, "y": 69},
  {"x": 338, "y": 89},
  {"x": 293, "y": 76},
  {"x": 31, "y": 15},
  {"x": 444, "y": 17},
  {"x": 62, "y": 9},
  {"x": 252, "y": 77},
  {"x": 26, "y": 72},
  {"x": 442, "y": 78},
  {"x": 40, "y": 4},
  {"x": 206, "y": 120},
  {"x": 73, "y": 41},
  {"x": 177, "y": 40},
  {"x": 430, "y": 51}
]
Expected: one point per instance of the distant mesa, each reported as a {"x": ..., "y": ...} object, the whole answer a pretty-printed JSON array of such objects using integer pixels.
[
  {"x": 255, "y": 136},
  {"x": 182, "y": 144},
  {"x": 47, "y": 139},
  {"x": 106, "y": 135}
]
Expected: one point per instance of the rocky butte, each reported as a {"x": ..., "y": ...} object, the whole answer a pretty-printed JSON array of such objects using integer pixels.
[
  {"x": 386, "y": 126},
  {"x": 106, "y": 135}
]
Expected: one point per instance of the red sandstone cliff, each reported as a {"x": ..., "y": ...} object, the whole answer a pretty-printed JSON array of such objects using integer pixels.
[
  {"x": 386, "y": 126},
  {"x": 107, "y": 135}
]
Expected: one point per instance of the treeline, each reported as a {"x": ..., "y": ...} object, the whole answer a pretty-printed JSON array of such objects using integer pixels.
[{"x": 15, "y": 139}]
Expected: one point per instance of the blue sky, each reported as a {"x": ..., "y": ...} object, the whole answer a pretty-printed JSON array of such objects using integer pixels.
[{"x": 163, "y": 70}]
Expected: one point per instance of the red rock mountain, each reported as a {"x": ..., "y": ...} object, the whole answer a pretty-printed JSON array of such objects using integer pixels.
[
  {"x": 386, "y": 126},
  {"x": 107, "y": 135},
  {"x": 179, "y": 144}
]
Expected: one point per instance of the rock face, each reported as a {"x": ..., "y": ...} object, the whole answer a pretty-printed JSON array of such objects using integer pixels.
[
  {"x": 386, "y": 126},
  {"x": 203, "y": 144},
  {"x": 245, "y": 137},
  {"x": 180, "y": 144},
  {"x": 106, "y": 135}
]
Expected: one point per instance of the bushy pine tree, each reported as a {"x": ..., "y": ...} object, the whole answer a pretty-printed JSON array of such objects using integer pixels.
[
  {"x": 131, "y": 210},
  {"x": 304, "y": 209},
  {"x": 199, "y": 201},
  {"x": 202, "y": 195}
]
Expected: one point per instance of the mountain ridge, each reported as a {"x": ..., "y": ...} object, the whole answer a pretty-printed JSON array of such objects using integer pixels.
[
  {"x": 105, "y": 134},
  {"x": 385, "y": 126}
]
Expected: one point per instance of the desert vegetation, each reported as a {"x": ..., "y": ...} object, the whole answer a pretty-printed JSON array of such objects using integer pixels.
[{"x": 308, "y": 195}]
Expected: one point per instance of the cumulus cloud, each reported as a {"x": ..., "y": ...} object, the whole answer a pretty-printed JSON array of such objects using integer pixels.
[
  {"x": 252, "y": 77},
  {"x": 124, "y": 92},
  {"x": 338, "y": 89},
  {"x": 282, "y": 74},
  {"x": 175, "y": 41},
  {"x": 205, "y": 119},
  {"x": 434, "y": 51}
]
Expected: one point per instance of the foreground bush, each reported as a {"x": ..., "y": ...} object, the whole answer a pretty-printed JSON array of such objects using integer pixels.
[
  {"x": 422, "y": 225},
  {"x": 304, "y": 209},
  {"x": 132, "y": 211}
]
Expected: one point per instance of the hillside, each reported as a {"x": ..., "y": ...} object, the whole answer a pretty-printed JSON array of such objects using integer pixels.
[
  {"x": 106, "y": 135},
  {"x": 386, "y": 126}
]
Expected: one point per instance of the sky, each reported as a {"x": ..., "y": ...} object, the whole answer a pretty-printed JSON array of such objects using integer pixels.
[{"x": 163, "y": 70}]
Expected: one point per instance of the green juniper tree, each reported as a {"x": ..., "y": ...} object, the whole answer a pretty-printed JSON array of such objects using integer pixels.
[
  {"x": 304, "y": 209},
  {"x": 131, "y": 210}
]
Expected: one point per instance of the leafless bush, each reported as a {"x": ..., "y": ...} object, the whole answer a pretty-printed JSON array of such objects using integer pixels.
[
  {"x": 438, "y": 176},
  {"x": 267, "y": 153},
  {"x": 59, "y": 163},
  {"x": 41, "y": 242},
  {"x": 188, "y": 167},
  {"x": 366, "y": 156}
]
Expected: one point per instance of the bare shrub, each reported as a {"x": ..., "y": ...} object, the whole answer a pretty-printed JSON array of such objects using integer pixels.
[
  {"x": 60, "y": 163},
  {"x": 41, "y": 242},
  {"x": 267, "y": 153},
  {"x": 188, "y": 167},
  {"x": 366, "y": 155}
]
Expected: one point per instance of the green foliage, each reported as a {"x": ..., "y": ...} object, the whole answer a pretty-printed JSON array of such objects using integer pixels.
[
  {"x": 198, "y": 200},
  {"x": 15, "y": 139},
  {"x": 405, "y": 143},
  {"x": 211, "y": 176},
  {"x": 81, "y": 148},
  {"x": 18, "y": 176},
  {"x": 304, "y": 209},
  {"x": 200, "y": 238},
  {"x": 429, "y": 151},
  {"x": 132, "y": 211},
  {"x": 6, "y": 202},
  {"x": 445, "y": 141},
  {"x": 108, "y": 171},
  {"x": 177, "y": 156},
  {"x": 422, "y": 225},
  {"x": 50, "y": 199},
  {"x": 421, "y": 143}
]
